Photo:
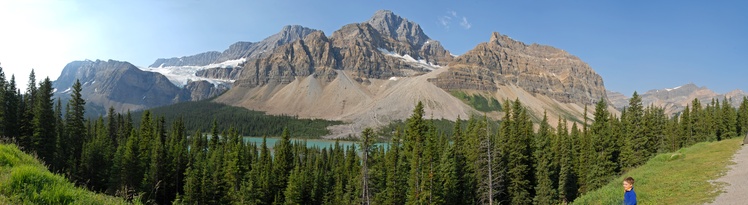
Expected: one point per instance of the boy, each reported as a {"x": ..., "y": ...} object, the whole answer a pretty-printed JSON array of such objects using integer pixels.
[{"x": 629, "y": 196}]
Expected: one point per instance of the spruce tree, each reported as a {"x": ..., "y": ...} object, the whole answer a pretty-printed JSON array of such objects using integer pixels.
[
  {"x": 602, "y": 163},
  {"x": 633, "y": 139},
  {"x": 75, "y": 128},
  {"x": 283, "y": 163},
  {"x": 567, "y": 179},
  {"x": 545, "y": 192},
  {"x": 742, "y": 118},
  {"x": 366, "y": 141},
  {"x": 11, "y": 100},
  {"x": 96, "y": 156},
  {"x": 44, "y": 137},
  {"x": 519, "y": 156},
  {"x": 414, "y": 144}
]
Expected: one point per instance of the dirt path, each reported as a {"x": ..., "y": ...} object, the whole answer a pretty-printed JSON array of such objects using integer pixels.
[{"x": 736, "y": 192}]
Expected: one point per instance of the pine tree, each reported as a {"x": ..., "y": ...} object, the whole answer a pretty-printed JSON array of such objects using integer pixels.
[
  {"x": 686, "y": 125},
  {"x": 366, "y": 136},
  {"x": 3, "y": 114},
  {"x": 567, "y": 181},
  {"x": 519, "y": 156},
  {"x": 545, "y": 192},
  {"x": 633, "y": 139},
  {"x": 295, "y": 190},
  {"x": 414, "y": 144},
  {"x": 283, "y": 163},
  {"x": 742, "y": 118},
  {"x": 75, "y": 129},
  {"x": 44, "y": 138},
  {"x": 11, "y": 104},
  {"x": 96, "y": 156},
  {"x": 26, "y": 110},
  {"x": 602, "y": 163},
  {"x": 729, "y": 121},
  {"x": 57, "y": 163}
]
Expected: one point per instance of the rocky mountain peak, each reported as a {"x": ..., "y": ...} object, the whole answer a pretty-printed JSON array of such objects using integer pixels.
[
  {"x": 200, "y": 59},
  {"x": 290, "y": 33},
  {"x": 264, "y": 48},
  {"x": 399, "y": 28},
  {"x": 536, "y": 68}
]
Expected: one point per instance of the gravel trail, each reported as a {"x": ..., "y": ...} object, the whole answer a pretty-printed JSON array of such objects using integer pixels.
[{"x": 736, "y": 192}]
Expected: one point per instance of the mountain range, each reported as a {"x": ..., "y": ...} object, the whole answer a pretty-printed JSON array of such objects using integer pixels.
[
  {"x": 366, "y": 74},
  {"x": 674, "y": 100}
]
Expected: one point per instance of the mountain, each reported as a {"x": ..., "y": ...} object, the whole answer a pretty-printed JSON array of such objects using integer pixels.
[
  {"x": 535, "y": 68},
  {"x": 618, "y": 100},
  {"x": 201, "y": 59},
  {"x": 374, "y": 72},
  {"x": 366, "y": 74},
  {"x": 674, "y": 100},
  {"x": 262, "y": 49},
  {"x": 125, "y": 87},
  {"x": 543, "y": 78},
  {"x": 212, "y": 66},
  {"x": 360, "y": 48}
]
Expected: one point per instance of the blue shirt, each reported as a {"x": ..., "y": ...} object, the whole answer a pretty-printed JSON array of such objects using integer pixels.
[{"x": 629, "y": 198}]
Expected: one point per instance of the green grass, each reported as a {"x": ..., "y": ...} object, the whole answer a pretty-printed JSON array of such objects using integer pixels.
[
  {"x": 23, "y": 180},
  {"x": 479, "y": 102},
  {"x": 682, "y": 177}
]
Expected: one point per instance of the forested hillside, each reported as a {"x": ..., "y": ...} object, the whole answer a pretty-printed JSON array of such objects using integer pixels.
[
  {"x": 165, "y": 161},
  {"x": 201, "y": 115}
]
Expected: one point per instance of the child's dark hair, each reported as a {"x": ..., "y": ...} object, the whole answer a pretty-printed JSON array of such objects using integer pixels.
[{"x": 629, "y": 180}]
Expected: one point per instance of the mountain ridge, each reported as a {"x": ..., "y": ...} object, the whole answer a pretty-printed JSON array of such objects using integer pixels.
[{"x": 675, "y": 99}]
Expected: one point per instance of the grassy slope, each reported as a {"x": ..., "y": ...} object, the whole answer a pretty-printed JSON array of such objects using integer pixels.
[
  {"x": 682, "y": 177},
  {"x": 23, "y": 180}
]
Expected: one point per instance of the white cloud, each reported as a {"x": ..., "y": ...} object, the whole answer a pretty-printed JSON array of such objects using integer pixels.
[
  {"x": 444, "y": 20},
  {"x": 451, "y": 16},
  {"x": 465, "y": 24}
]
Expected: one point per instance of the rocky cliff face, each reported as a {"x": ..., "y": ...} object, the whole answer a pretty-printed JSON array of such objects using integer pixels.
[
  {"x": 535, "y": 68},
  {"x": 385, "y": 46},
  {"x": 311, "y": 56},
  {"x": 618, "y": 100},
  {"x": 201, "y": 59},
  {"x": 265, "y": 47},
  {"x": 418, "y": 44},
  {"x": 201, "y": 90}
]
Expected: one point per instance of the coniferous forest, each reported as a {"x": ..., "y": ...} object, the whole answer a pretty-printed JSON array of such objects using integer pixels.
[{"x": 159, "y": 161}]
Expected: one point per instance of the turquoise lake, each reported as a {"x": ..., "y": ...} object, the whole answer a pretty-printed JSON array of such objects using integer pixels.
[{"x": 321, "y": 143}]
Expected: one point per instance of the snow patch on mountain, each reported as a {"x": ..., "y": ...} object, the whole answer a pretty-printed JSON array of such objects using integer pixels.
[
  {"x": 181, "y": 75},
  {"x": 407, "y": 58}
]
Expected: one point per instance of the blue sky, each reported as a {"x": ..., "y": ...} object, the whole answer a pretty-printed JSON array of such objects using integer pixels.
[{"x": 633, "y": 45}]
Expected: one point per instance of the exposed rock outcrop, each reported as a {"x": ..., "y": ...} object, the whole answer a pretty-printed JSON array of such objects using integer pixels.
[
  {"x": 392, "y": 48},
  {"x": 618, "y": 100},
  {"x": 118, "y": 84},
  {"x": 201, "y": 90},
  {"x": 535, "y": 68},
  {"x": 419, "y": 45},
  {"x": 201, "y": 59},
  {"x": 311, "y": 56}
]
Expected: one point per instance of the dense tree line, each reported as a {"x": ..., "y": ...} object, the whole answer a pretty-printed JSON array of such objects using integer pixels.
[
  {"x": 246, "y": 122},
  {"x": 517, "y": 162}
]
